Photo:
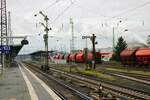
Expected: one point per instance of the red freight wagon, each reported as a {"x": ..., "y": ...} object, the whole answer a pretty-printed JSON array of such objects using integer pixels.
[
  {"x": 97, "y": 59},
  {"x": 72, "y": 57},
  {"x": 66, "y": 57},
  {"x": 143, "y": 56},
  {"x": 61, "y": 56},
  {"x": 128, "y": 57},
  {"x": 90, "y": 56},
  {"x": 57, "y": 57},
  {"x": 80, "y": 58},
  {"x": 54, "y": 56}
]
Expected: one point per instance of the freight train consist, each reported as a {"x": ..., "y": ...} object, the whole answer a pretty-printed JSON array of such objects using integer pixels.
[
  {"x": 140, "y": 56},
  {"x": 78, "y": 57}
]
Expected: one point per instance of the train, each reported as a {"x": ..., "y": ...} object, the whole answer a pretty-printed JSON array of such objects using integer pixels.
[
  {"x": 138, "y": 56},
  {"x": 78, "y": 57}
]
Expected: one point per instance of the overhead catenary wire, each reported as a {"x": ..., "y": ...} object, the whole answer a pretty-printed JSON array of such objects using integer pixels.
[
  {"x": 47, "y": 7},
  {"x": 90, "y": 11},
  {"x": 59, "y": 15},
  {"x": 112, "y": 17},
  {"x": 56, "y": 1},
  {"x": 51, "y": 5},
  {"x": 132, "y": 9}
]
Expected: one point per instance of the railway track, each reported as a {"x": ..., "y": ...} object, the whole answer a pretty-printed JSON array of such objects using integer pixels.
[
  {"x": 128, "y": 93},
  {"x": 146, "y": 78},
  {"x": 74, "y": 91},
  {"x": 143, "y": 82},
  {"x": 133, "y": 77},
  {"x": 110, "y": 88}
]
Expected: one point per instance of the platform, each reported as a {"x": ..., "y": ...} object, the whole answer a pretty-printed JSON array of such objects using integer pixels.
[{"x": 19, "y": 83}]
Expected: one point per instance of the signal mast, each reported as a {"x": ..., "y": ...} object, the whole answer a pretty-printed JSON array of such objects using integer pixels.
[{"x": 3, "y": 20}]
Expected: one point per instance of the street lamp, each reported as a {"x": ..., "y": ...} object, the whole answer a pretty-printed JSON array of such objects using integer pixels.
[
  {"x": 45, "y": 36},
  {"x": 114, "y": 33}
]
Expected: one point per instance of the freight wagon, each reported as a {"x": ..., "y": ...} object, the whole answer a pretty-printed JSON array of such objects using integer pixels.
[
  {"x": 79, "y": 57},
  {"x": 140, "y": 56}
]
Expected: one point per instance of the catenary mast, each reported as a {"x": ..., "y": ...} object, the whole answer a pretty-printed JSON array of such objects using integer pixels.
[
  {"x": 10, "y": 40},
  {"x": 3, "y": 21}
]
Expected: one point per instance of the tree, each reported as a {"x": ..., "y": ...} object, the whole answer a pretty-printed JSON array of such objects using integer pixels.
[
  {"x": 148, "y": 40},
  {"x": 121, "y": 45}
]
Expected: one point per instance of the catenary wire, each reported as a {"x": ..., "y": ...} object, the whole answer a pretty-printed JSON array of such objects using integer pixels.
[{"x": 59, "y": 15}]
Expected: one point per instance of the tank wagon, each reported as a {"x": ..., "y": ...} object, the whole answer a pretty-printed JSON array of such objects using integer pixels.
[
  {"x": 66, "y": 56},
  {"x": 79, "y": 57}
]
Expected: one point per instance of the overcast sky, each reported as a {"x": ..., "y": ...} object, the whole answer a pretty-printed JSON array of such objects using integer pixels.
[{"x": 89, "y": 16}]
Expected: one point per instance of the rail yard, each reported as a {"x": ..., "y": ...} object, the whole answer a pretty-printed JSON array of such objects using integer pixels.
[
  {"x": 117, "y": 91},
  {"x": 75, "y": 50}
]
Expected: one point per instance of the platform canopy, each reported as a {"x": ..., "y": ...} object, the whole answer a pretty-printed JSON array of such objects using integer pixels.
[{"x": 39, "y": 52}]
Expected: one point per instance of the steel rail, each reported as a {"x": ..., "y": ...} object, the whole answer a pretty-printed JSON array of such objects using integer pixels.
[
  {"x": 81, "y": 95},
  {"x": 128, "y": 92}
]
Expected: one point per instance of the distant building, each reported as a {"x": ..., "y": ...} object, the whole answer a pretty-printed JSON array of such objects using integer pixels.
[
  {"x": 106, "y": 56},
  {"x": 40, "y": 55},
  {"x": 23, "y": 57}
]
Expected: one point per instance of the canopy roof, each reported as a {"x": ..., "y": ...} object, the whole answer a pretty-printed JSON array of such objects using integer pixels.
[
  {"x": 14, "y": 50},
  {"x": 40, "y": 52}
]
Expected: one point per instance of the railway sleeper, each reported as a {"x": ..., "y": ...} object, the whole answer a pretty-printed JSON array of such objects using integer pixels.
[{"x": 132, "y": 93}]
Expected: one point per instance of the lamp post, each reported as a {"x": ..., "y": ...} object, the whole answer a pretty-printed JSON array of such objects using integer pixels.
[
  {"x": 45, "y": 36},
  {"x": 113, "y": 40}
]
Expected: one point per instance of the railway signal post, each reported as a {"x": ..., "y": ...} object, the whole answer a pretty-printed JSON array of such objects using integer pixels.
[
  {"x": 94, "y": 55},
  {"x": 92, "y": 38},
  {"x": 45, "y": 39}
]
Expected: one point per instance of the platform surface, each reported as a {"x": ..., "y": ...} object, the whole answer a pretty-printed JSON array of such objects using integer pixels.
[{"x": 18, "y": 83}]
